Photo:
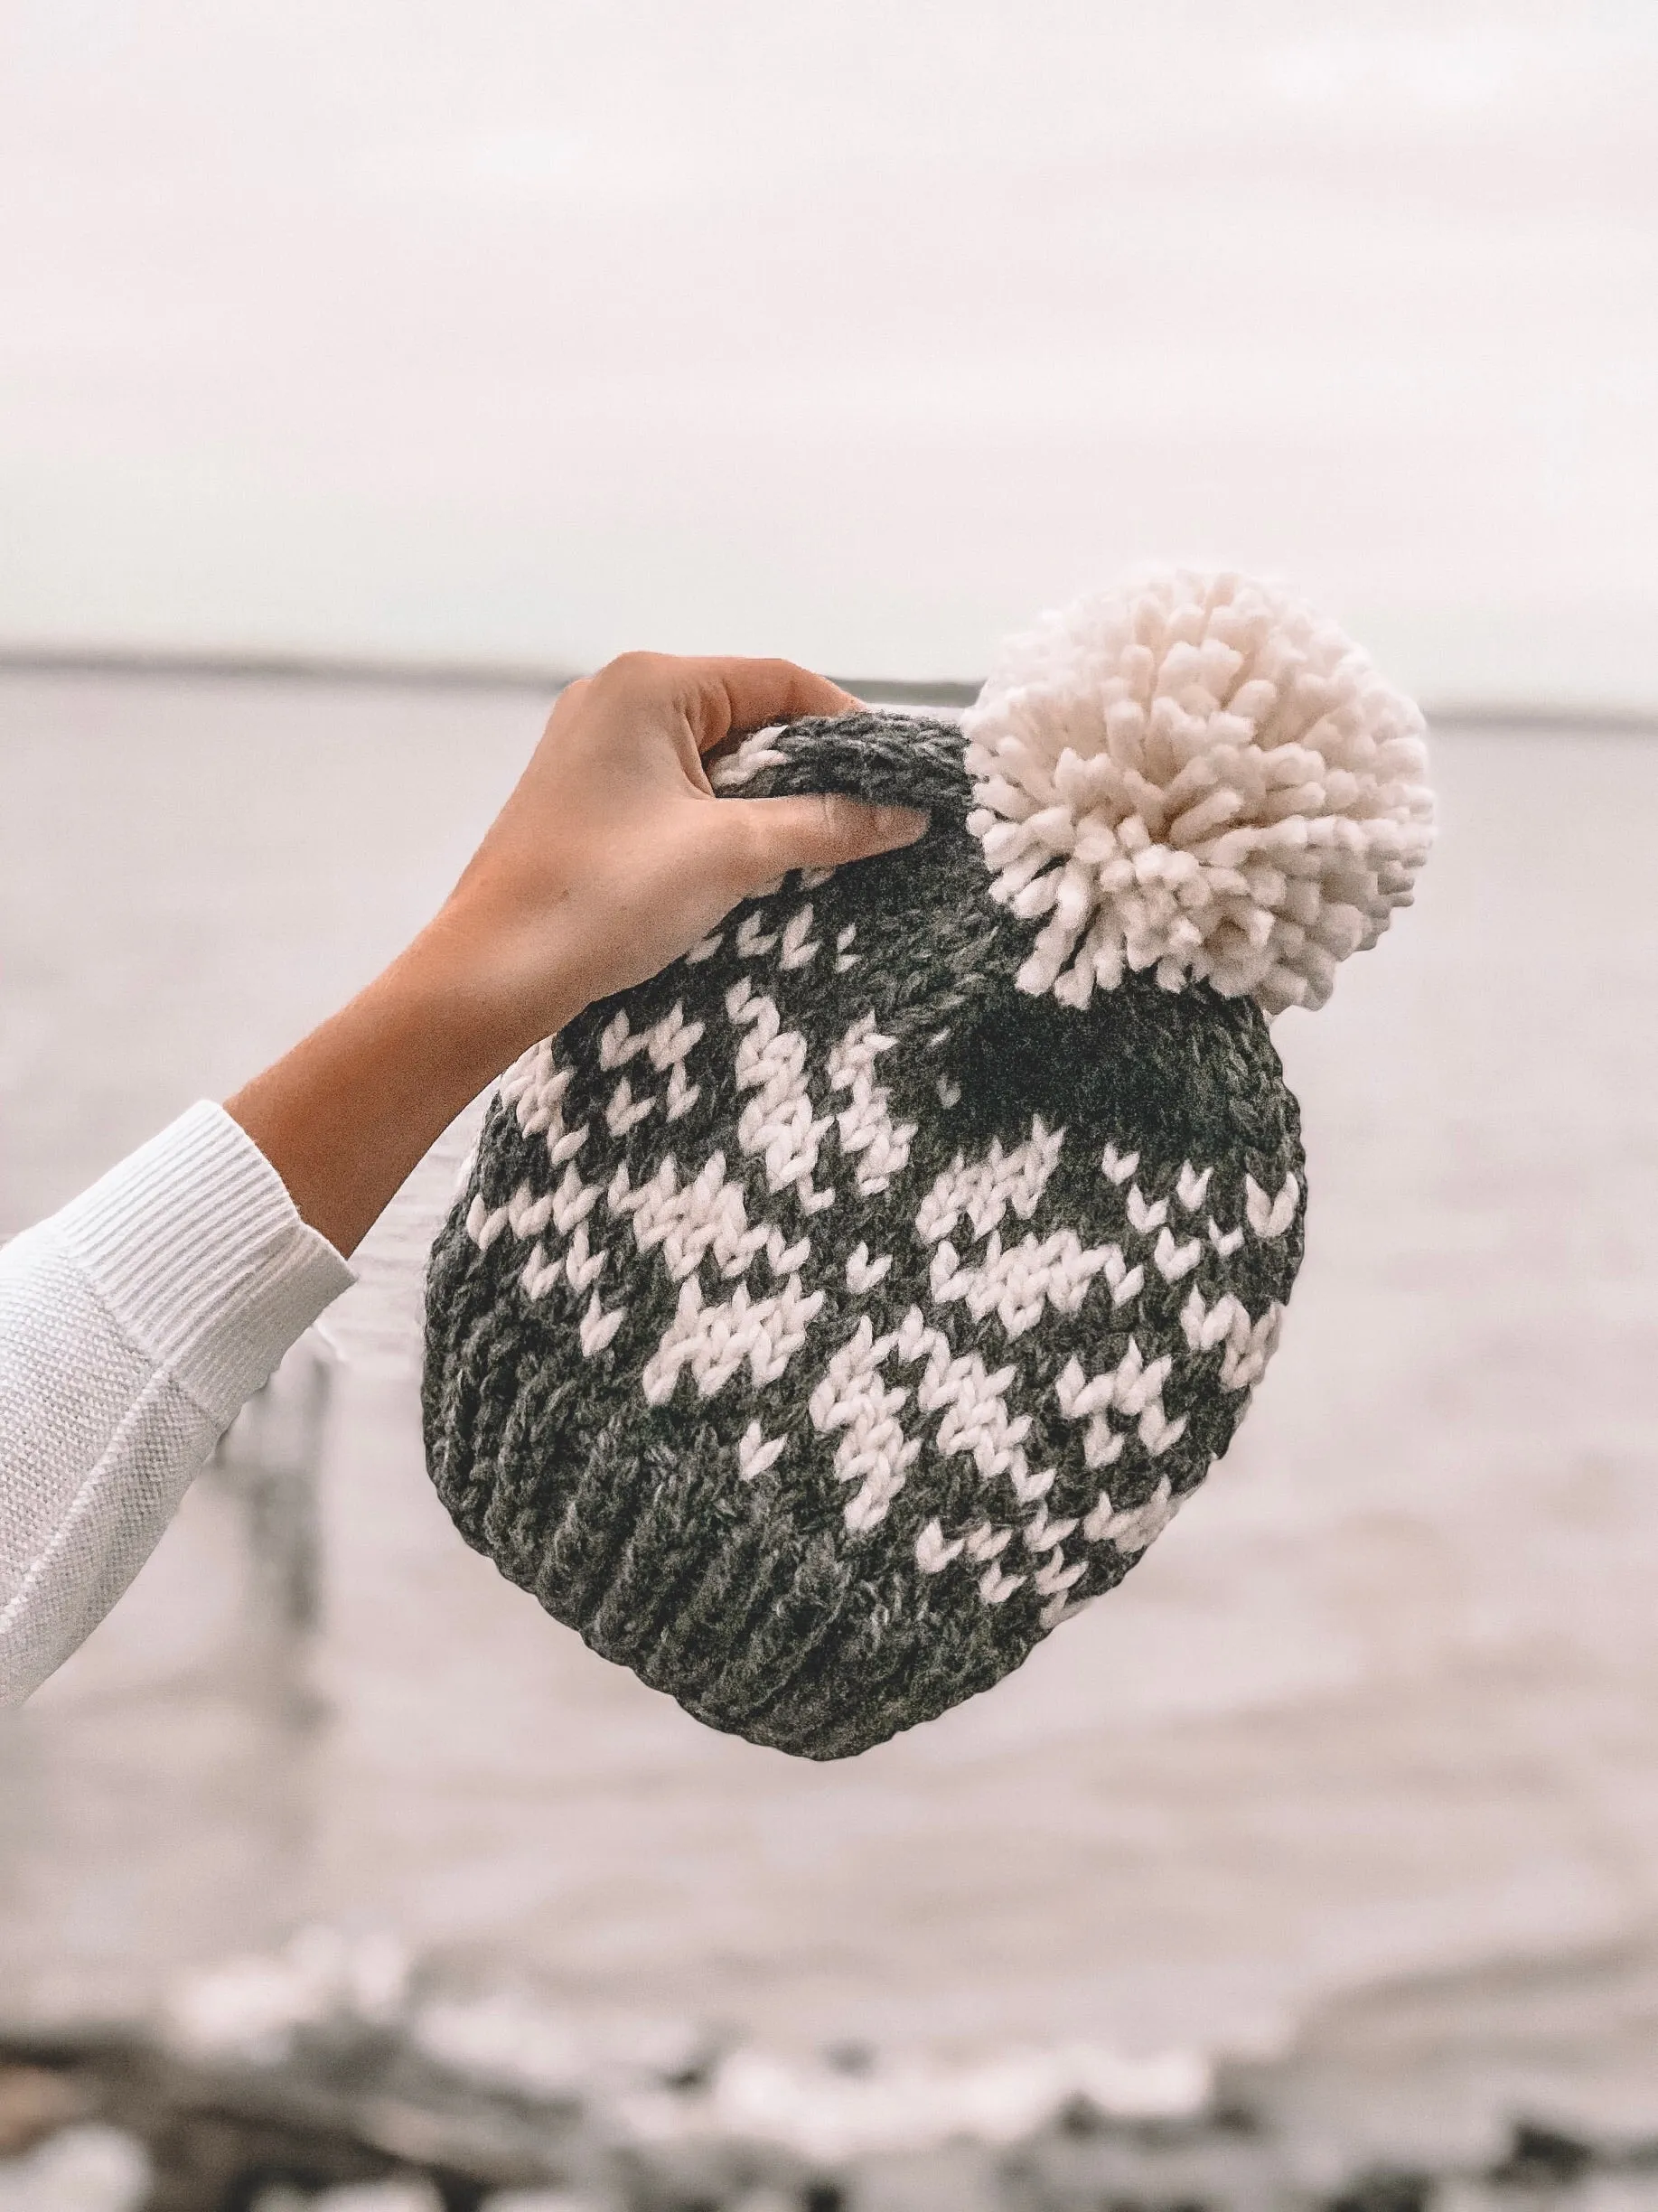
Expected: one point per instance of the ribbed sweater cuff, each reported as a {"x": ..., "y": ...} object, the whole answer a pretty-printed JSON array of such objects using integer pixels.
[{"x": 195, "y": 1248}]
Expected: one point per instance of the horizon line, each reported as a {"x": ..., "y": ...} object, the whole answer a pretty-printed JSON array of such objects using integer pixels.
[{"x": 161, "y": 663}]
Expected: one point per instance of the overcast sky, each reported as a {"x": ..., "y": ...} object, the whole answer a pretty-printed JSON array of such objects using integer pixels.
[{"x": 856, "y": 331}]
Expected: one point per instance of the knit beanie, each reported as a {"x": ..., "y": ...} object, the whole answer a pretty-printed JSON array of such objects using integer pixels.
[{"x": 825, "y": 1321}]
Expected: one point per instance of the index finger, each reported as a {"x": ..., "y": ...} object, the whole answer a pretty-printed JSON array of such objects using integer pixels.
[{"x": 732, "y": 694}]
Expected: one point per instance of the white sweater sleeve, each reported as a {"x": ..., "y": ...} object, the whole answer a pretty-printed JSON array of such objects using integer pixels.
[{"x": 134, "y": 1326}]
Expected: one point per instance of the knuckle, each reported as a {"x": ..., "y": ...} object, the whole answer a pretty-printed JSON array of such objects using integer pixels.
[{"x": 631, "y": 672}]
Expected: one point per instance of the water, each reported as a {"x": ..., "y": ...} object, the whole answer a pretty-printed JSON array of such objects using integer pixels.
[{"x": 1382, "y": 1705}]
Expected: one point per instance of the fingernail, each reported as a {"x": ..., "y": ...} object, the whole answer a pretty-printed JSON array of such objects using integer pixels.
[{"x": 904, "y": 825}]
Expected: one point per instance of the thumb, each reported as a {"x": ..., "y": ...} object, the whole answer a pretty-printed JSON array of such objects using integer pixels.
[{"x": 822, "y": 829}]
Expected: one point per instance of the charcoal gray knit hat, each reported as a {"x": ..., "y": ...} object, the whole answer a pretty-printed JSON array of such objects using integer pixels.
[{"x": 824, "y": 1321}]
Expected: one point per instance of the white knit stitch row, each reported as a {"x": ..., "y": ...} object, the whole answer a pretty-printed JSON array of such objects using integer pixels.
[
  {"x": 706, "y": 1218},
  {"x": 1268, "y": 1216},
  {"x": 579, "y": 1265},
  {"x": 793, "y": 942},
  {"x": 533, "y": 1080},
  {"x": 535, "y": 1089},
  {"x": 1056, "y": 1270},
  {"x": 715, "y": 1341},
  {"x": 975, "y": 1420},
  {"x": 1249, "y": 1344},
  {"x": 535, "y": 1086},
  {"x": 797, "y": 947},
  {"x": 1133, "y": 1387},
  {"x": 1191, "y": 1188},
  {"x": 866, "y": 1126},
  {"x": 1016, "y": 1285},
  {"x": 668, "y": 1041},
  {"x": 709, "y": 1215},
  {"x": 1131, "y": 1528},
  {"x": 854, "y": 1398},
  {"x": 972, "y": 1402},
  {"x": 984, "y": 1189},
  {"x": 527, "y": 1216},
  {"x": 744, "y": 763},
  {"x": 1130, "y": 1531},
  {"x": 934, "y": 1551},
  {"x": 777, "y": 1122},
  {"x": 757, "y": 1452},
  {"x": 863, "y": 1273}
]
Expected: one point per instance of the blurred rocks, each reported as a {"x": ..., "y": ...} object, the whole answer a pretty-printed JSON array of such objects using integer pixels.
[
  {"x": 337, "y": 2075},
  {"x": 958, "y": 2178},
  {"x": 1083, "y": 2159},
  {"x": 395, "y": 2196},
  {"x": 543, "y": 2200},
  {"x": 257, "y": 2010},
  {"x": 78, "y": 2169}
]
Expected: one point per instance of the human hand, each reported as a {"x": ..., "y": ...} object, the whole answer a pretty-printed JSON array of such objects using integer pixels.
[
  {"x": 613, "y": 855},
  {"x": 611, "y": 858}
]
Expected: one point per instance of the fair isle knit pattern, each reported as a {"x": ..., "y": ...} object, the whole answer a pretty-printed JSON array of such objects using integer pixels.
[{"x": 824, "y": 1322}]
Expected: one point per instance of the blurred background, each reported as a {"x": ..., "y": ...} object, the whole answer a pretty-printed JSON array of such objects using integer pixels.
[{"x": 364, "y": 370}]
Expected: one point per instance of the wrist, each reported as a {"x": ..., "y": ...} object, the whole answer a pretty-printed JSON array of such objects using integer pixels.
[
  {"x": 345, "y": 1116},
  {"x": 486, "y": 988}
]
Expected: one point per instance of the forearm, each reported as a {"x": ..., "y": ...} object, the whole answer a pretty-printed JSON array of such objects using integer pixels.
[{"x": 347, "y": 1115}]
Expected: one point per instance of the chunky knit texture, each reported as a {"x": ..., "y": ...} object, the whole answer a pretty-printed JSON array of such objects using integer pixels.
[
  {"x": 133, "y": 1325},
  {"x": 823, "y": 1322}
]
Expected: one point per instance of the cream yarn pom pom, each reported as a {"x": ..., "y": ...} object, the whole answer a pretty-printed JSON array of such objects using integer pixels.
[{"x": 1199, "y": 775}]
